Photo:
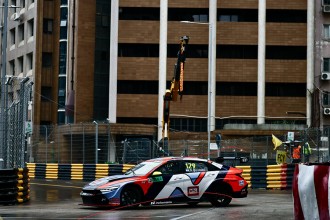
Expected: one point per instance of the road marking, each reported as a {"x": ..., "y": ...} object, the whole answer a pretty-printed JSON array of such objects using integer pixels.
[
  {"x": 43, "y": 184},
  {"x": 185, "y": 216}
]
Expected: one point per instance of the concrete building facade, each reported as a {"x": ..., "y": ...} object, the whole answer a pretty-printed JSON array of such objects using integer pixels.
[{"x": 100, "y": 60}]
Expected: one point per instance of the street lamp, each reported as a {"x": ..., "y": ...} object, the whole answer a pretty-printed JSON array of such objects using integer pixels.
[{"x": 211, "y": 80}]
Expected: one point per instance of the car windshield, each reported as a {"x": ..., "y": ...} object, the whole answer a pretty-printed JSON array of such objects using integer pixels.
[{"x": 143, "y": 168}]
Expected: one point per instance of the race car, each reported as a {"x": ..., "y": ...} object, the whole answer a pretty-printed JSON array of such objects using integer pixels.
[{"x": 168, "y": 180}]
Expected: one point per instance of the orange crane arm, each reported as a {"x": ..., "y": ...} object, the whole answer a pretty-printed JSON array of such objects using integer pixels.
[{"x": 176, "y": 85}]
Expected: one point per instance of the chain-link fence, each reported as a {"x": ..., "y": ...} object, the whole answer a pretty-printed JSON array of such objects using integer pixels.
[
  {"x": 13, "y": 115},
  {"x": 95, "y": 143}
]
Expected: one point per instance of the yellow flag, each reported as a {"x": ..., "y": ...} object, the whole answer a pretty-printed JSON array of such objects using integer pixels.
[{"x": 277, "y": 142}]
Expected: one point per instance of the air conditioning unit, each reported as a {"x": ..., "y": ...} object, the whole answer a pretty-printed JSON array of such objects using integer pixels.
[
  {"x": 326, "y": 111},
  {"x": 326, "y": 8},
  {"x": 15, "y": 17},
  {"x": 325, "y": 76}
]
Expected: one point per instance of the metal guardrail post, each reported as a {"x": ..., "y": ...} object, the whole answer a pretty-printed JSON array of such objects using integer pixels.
[
  {"x": 83, "y": 143},
  {"x": 58, "y": 145},
  {"x": 45, "y": 126},
  {"x": 70, "y": 143},
  {"x": 96, "y": 141}
]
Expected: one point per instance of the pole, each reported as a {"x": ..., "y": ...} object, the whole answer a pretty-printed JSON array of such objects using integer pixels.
[
  {"x": 70, "y": 143},
  {"x": 3, "y": 136},
  {"x": 210, "y": 81},
  {"x": 96, "y": 141},
  {"x": 209, "y": 94}
]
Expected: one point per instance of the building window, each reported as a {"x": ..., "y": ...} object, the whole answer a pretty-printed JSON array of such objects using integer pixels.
[
  {"x": 29, "y": 62},
  {"x": 61, "y": 117},
  {"x": 21, "y": 33},
  {"x": 12, "y": 37},
  {"x": 47, "y": 59},
  {"x": 63, "y": 31},
  {"x": 326, "y": 31},
  {"x": 326, "y": 98},
  {"x": 22, "y": 3},
  {"x": 63, "y": 53},
  {"x": 228, "y": 18},
  {"x": 12, "y": 67},
  {"x": 13, "y": 2},
  {"x": 326, "y": 2},
  {"x": 64, "y": 2},
  {"x": 48, "y": 26},
  {"x": 326, "y": 65},
  {"x": 20, "y": 65},
  {"x": 30, "y": 24},
  {"x": 61, "y": 92},
  {"x": 64, "y": 13}
]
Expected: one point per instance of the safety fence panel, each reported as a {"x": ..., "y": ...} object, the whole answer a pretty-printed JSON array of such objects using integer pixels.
[
  {"x": 268, "y": 177},
  {"x": 91, "y": 143},
  {"x": 75, "y": 171},
  {"x": 311, "y": 191},
  {"x": 14, "y": 186}
]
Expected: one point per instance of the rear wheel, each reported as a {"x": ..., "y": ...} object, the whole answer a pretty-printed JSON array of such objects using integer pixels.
[
  {"x": 221, "y": 198},
  {"x": 130, "y": 197}
]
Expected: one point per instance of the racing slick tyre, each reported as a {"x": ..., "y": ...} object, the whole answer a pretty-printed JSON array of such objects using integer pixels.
[
  {"x": 130, "y": 197},
  {"x": 222, "y": 198}
]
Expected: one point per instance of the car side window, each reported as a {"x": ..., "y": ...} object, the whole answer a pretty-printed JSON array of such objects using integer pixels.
[
  {"x": 195, "y": 166},
  {"x": 170, "y": 168}
]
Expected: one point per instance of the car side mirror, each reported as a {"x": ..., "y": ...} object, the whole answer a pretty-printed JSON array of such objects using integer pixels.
[{"x": 156, "y": 173}]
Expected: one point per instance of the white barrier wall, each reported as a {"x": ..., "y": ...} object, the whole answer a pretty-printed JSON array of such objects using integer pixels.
[{"x": 311, "y": 191}]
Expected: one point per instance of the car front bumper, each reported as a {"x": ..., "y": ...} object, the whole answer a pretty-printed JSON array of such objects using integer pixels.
[{"x": 96, "y": 198}]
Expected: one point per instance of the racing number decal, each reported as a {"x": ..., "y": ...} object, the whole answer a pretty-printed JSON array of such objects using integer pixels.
[{"x": 190, "y": 167}]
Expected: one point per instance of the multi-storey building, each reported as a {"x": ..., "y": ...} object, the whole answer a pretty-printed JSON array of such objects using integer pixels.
[
  {"x": 132, "y": 75},
  {"x": 105, "y": 60},
  {"x": 322, "y": 64}
]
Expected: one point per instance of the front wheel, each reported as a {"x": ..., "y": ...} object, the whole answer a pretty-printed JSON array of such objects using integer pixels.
[{"x": 130, "y": 197}]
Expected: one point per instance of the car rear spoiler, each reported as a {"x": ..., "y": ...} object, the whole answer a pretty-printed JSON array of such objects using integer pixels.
[{"x": 241, "y": 159}]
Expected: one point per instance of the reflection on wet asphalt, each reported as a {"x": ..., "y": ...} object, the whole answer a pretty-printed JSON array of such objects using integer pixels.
[{"x": 60, "y": 199}]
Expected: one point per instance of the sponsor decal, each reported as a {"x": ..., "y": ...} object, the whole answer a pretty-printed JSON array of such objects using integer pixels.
[
  {"x": 241, "y": 182},
  {"x": 160, "y": 202},
  {"x": 280, "y": 157},
  {"x": 181, "y": 77},
  {"x": 193, "y": 191},
  {"x": 155, "y": 179}
]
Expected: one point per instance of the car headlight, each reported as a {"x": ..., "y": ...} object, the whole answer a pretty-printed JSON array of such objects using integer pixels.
[{"x": 109, "y": 189}]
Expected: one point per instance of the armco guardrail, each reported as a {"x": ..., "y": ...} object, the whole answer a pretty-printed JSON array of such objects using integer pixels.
[
  {"x": 75, "y": 171},
  {"x": 269, "y": 177},
  {"x": 14, "y": 186}
]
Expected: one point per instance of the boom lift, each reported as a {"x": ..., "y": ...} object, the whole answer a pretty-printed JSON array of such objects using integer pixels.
[{"x": 175, "y": 89}]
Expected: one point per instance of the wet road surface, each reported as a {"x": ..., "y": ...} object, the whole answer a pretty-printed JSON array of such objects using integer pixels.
[{"x": 59, "y": 199}]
